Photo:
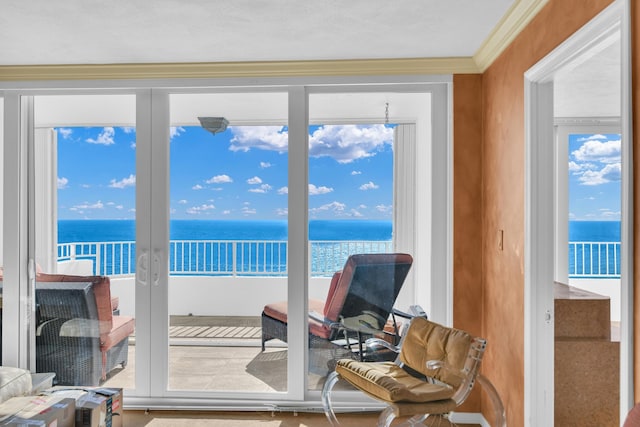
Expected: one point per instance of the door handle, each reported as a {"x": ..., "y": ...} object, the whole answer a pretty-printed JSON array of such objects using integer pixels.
[{"x": 142, "y": 268}]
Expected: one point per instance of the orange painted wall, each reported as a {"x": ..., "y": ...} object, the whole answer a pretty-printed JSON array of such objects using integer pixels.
[
  {"x": 467, "y": 215},
  {"x": 502, "y": 186}
]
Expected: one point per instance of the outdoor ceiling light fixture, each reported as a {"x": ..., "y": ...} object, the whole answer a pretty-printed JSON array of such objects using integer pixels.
[{"x": 214, "y": 124}]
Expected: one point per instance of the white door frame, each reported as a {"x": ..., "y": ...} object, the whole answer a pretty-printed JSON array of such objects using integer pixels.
[{"x": 539, "y": 213}]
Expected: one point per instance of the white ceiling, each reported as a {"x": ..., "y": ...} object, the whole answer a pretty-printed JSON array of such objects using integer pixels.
[
  {"x": 37, "y": 32},
  {"x": 150, "y": 31}
]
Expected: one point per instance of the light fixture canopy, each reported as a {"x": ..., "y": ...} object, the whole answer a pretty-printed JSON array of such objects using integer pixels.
[{"x": 214, "y": 124}]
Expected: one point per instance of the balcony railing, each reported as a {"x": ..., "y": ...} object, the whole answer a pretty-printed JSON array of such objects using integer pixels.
[
  {"x": 594, "y": 259},
  {"x": 269, "y": 257},
  {"x": 220, "y": 257}
]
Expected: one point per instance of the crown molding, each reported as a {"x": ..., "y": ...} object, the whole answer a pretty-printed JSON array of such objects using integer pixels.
[
  {"x": 516, "y": 18},
  {"x": 368, "y": 67},
  {"x": 511, "y": 24}
]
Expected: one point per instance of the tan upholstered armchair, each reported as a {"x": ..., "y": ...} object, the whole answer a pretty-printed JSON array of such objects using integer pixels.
[{"x": 434, "y": 373}]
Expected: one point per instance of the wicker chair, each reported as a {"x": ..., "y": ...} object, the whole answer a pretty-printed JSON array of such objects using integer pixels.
[
  {"x": 79, "y": 338},
  {"x": 359, "y": 305}
]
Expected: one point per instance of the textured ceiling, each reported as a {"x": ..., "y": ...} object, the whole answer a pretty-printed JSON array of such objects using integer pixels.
[{"x": 151, "y": 31}]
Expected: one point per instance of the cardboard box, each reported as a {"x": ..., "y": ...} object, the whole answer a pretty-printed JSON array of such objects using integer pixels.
[
  {"x": 95, "y": 406},
  {"x": 48, "y": 411}
]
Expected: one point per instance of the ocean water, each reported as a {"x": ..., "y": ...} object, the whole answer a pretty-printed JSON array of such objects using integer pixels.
[
  {"x": 124, "y": 230},
  {"x": 594, "y": 231}
]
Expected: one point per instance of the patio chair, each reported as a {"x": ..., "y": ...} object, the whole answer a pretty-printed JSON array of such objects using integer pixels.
[
  {"x": 78, "y": 323},
  {"x": 358, "y": 305},
  {"x": 434, "y": 373}
]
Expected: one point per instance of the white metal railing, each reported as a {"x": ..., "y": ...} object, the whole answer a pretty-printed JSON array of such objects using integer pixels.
[
  {"x": 220, "y": 257},
  {"x": 594, "y": 259}
]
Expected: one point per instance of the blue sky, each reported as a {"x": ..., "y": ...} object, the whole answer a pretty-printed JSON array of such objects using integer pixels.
[
  {"x": 238, "y": 174},
  {"x": 594, "y": 177}
]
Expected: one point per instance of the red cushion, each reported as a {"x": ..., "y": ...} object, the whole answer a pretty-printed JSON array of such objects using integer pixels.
[
  {"x": 278, "y": 310},
  {"x": 123, "y": 326},
  {"x": 332, "y": 290}
]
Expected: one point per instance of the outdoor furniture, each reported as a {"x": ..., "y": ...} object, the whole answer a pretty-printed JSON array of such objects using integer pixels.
[
  {"x": 434, "y": 373},
  {"x": 76, "y": 322},
  {"x": 358, "y": 306}
]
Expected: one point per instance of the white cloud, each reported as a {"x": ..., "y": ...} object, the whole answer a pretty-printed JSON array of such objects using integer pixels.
[
  {"x": 356, "y": 173},
  {"x": 265, "y": 165},
  {"x": 175, "y": 131},
  {"x": 86, "y": 205},
  {"x": 609, "y": 173},
  {"x": 369, "y": 186},
  {"x": 282, "y": 211},
  {"x": 384, "y": 208},
  {"x": 226, "y": 212},
  {"x": 182, "y": 202},
  {"x": 197, "y": 210},
  {"x": 105, "y": 137},
  {"x": 346, "y": 143},
  {"x": 592, "y": 137},
  {"x": 124, "y": 182},
  {"x": 335, "y": 207},
  {"x": 598, "y": 151},
  {"x": 270, "y": 138},
  {"x": 314, "y": 191},
  {"x": 246, "y": 210},
  {"x": 197, "y": 187},
  {"x": 65, "y": 132},
  {"x": 128, "y": 129},
  {"x": 62, "y": 183},
  {"x": 254, "y": 181},
  {"x": 356, "y": 214},
  {"x": 219, "y": 179},
  {"x": 119, "y": 207},
  {"x": 264, "y": 188}
]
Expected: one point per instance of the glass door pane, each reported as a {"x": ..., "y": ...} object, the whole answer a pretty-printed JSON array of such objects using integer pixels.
[
  {"x": 85, "y": 202},
  {"x": 351, "y": 201},
  {"x": 228, "y": 241}
]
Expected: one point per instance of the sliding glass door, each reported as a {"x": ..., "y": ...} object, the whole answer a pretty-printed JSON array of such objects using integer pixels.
[
  {"x": 228, "y": 245},
  {"x": 210, "y": 212}
]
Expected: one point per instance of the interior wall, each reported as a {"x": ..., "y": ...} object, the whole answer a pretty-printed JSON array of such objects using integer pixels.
[
  {"x": 467, "y": 217},
  {"x": 503, "y": 204}
]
